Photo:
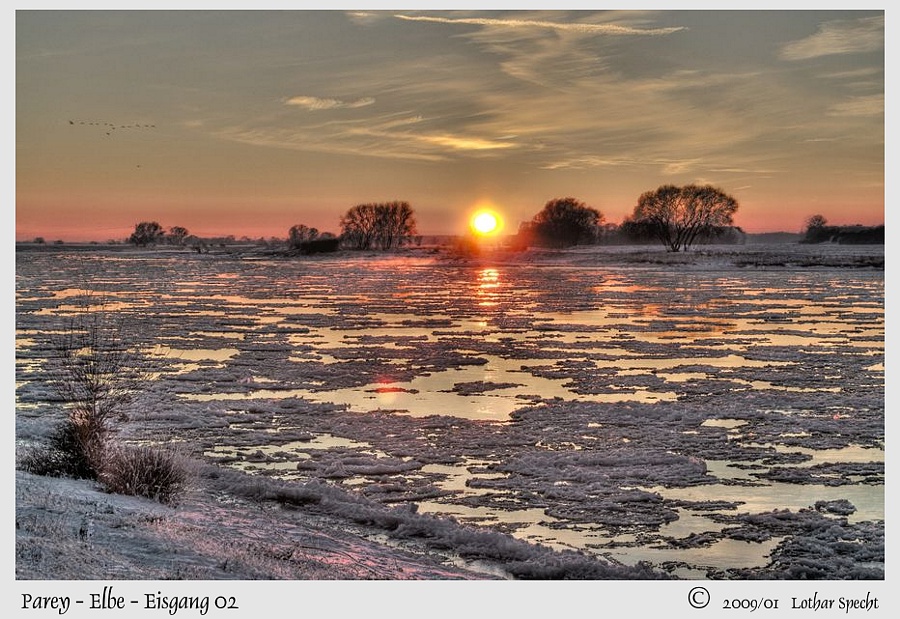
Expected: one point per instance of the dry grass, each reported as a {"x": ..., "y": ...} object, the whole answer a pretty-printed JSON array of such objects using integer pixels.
[{"x": 140, "y": 470}]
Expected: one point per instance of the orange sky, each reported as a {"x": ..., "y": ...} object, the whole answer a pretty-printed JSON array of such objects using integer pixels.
[{"x": 247, "y": 123}]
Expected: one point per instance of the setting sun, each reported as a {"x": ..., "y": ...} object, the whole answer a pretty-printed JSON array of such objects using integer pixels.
[{"x": 485, "y": 222}]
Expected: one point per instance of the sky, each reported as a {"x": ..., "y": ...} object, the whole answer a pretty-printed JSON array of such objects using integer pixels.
[{"x": 245, "y": 123}]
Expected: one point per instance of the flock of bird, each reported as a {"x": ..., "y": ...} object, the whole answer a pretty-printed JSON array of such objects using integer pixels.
[{"x": 110, "y": 127}]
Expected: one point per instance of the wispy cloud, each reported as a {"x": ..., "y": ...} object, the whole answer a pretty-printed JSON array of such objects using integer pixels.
[
  {"x": 566, "y": 104},
  {"x": 753, "y": 171},
  {"x": 440, "y": 142},
  {"x": 465, "y": 143},
  {"x": 336, "y": 144},
  {"x": 872, "y": 105},
  {"x": 407, "y": 137},
  {"x": 673, "y": 168},
  {"x": 839, "y": 37},
  {"x": 854, "y": 74},
  {"x": 586, "y": 162},
  {"x": 318, "y": 103},
  {"x": 579, "y": 27}
]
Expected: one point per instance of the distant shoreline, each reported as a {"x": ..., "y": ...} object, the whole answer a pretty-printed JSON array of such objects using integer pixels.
[
  {"x": 430, "y": 240},
  {"x": 754, "y": 254}
]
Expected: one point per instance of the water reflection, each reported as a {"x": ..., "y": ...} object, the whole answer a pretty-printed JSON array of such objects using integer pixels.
[
  {"x": 480, "y": 343},
  {"x": 502, "y": 387},
  {"x": 488, "y": 284}
]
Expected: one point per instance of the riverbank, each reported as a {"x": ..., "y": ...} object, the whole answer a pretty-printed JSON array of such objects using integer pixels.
[{"x": 71, "y": 530}]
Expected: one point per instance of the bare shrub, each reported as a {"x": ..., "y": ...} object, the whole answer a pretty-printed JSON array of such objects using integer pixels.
[
  {"x": 140, "y": 470},
  {"x": 63, "y": 456},
  {"x": 96, "y": 372}
]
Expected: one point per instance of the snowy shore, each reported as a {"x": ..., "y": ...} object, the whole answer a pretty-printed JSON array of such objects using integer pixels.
[{"x": 70, "y": 529}]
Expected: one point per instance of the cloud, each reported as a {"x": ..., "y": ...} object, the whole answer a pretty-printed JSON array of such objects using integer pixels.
[
  {"x": 672, "y": 168},
  {"x": 317, "y": 103},
  {"x": 533, "y": 100},
  {"x": 435, "y": 142},
  {"x": 362, "y": 15},
  {"x": 872, "y": 105},
  {"x": 396, "y": 136},
  {"x": 464, "y": 143},
  {"x": 586, "y": 161},
  {"x": 608, "y": 29},
  {"x": 347, "y": 143},
  {"x": 839, "y": 37},
  {"x": 865, "y": 72},
  {"x": 666, "y": 167}
]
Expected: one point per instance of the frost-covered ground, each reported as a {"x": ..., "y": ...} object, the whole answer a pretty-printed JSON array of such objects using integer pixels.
[{"x": 596, "y": 413}]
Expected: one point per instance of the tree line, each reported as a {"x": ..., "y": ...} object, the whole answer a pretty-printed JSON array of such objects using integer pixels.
[
  {"x": 675, "y": 216},
  {"x": 368, "y": 226},
  {"x": 819, "y": 231}
]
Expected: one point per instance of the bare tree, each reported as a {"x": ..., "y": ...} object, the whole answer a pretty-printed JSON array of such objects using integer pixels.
[
  {"x": 177, "y": 234},
  {"x": 679, "y": 215},
  {"x": 358, "y": 226},
  {"x": 564, "y": 222},
  {"x": 146, "y": 233},
  {"x": 300, "y": 234},
  {"x": 816, "y": 221},
  {"x": 378, "y": 226},
  {"x": 96, "y": 373}
]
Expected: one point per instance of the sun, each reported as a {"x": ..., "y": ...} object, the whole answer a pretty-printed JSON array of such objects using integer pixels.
[{"x": 485, "y": 222}]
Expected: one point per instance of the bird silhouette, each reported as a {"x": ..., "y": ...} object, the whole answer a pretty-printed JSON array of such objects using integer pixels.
[{"x": 108, "y": 127}]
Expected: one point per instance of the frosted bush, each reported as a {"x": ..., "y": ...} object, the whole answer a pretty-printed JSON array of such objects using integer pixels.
[{"x": 150, "y": 472}]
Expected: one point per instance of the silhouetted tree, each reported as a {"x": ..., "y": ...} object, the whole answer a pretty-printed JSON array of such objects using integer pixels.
[
  {"x": 378, "y": 226},
  {"x": 818, "y": 231},
  {"x": 177, "y": 234},
  {"x": 308, "y": 240},
  {"x": 816, "y": 221},
  {"x": 358, "y": 226},
  {"x": 146, "y": 233},
  {"x": 679, "y": 215},
  {"x": 563, "y": 222},
  {"x": 324, "y": 243},
  {"x": 631, "y": 231},
  {"x": 861, "y": 235},
  {"x": 300, "y": 234}
]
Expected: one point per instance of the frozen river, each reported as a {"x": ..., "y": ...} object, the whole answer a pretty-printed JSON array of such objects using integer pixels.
[{"x": 711, "y": 418}]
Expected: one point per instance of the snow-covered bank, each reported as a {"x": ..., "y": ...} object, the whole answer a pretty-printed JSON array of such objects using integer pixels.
[
  {"x": 230, "y": 527},
  {"x": 67, "y": 529}
]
